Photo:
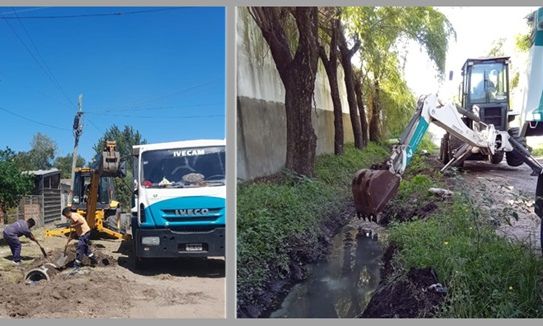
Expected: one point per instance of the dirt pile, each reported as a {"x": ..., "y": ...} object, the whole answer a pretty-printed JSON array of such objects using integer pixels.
[
  {"x": 416, "y": 294},
  {"x": 66, "y": 295},
  {"x": 102, "y": 259}
]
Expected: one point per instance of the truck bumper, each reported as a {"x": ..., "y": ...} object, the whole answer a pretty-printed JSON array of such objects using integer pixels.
[{"x": 174, "y": 244}]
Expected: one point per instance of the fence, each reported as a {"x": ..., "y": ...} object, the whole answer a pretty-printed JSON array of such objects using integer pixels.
[{"x": 44, "y": 208}]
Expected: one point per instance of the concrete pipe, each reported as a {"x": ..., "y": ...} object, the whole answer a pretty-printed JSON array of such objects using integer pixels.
[{"x": 44, "y": 272}]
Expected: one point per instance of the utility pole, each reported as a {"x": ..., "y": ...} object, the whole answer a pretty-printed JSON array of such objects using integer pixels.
[{"x": 77, "y": 130}]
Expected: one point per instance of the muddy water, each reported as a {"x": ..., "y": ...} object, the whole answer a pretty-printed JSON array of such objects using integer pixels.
[{"x": 342, "y": 285}]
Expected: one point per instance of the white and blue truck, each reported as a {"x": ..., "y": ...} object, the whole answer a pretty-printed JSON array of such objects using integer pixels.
[{"x": 179, "y": 200}]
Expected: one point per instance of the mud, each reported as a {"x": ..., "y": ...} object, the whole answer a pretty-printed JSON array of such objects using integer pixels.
[
  {"x": 302, "y": 254},
  {"x": 341, "y": 285},
  {"x": 406, "y": 296}
]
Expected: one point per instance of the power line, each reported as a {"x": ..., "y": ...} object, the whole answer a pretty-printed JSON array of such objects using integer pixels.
[
  {"x": 51, "y": 78},
  {"x": 180, "y": 91},
  {"x": 31, "y": 120},
  {"x": 133, "y": 109},
  {"x": 59, "y": 86},
  {"x": 117, "y": 13},
  {"x": 160, "y": 117}
]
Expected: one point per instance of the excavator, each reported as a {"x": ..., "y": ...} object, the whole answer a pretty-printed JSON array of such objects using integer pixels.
[
  {"x": 373, "y": 188},
  {"x": 93, "y": 195}
]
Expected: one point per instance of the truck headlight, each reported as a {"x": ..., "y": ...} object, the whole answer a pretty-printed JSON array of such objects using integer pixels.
[
  {"x": 150, "y": 241},
  {"x": 537, "y": 116}
]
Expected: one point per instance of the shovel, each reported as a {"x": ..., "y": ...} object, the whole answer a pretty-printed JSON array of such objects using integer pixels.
[
  {"x": 62, "y": 260},
  {"x": 41, "y": 248}
]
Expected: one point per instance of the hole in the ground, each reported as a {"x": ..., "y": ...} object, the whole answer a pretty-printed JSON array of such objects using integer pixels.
[{"x": 36, "y": 276}]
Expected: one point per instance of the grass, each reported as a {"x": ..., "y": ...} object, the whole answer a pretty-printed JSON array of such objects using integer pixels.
[
  {"x": 271, "y": 216},
  {"x": 537, "y": 152},
  {"x": 487, "y": 275}
]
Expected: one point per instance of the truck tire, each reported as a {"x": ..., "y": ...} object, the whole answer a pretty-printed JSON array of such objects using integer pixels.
[
  {"x": 444, "y": 149},
  {"x": 454, "y": 144},
  {"x": 139, "y": 262},
  {"x": 497, "y": 157},
  {"x": 514, "y": 158}
]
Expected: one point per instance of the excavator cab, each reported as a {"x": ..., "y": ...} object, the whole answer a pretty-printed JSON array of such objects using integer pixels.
[{"x": 485, "y": 92}]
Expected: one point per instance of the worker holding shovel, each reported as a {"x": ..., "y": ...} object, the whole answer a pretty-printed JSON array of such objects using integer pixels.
[
  {"x": 13, "y": 231},
  {"x": 82, "y": 230}
]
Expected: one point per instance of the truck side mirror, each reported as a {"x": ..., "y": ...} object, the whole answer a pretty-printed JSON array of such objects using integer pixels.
[{"x": 450, "y": 75}]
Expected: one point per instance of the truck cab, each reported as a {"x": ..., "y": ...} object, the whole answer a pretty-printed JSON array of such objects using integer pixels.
[{"x": 179, "y": 199}]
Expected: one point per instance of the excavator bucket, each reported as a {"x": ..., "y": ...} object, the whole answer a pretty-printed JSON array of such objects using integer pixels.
[{"x": 372, "y": 189}]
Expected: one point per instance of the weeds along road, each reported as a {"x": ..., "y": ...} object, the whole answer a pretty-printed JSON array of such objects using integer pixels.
[
  {"x": 184, "y": 288},
  {"x": 506, "y": 193}
]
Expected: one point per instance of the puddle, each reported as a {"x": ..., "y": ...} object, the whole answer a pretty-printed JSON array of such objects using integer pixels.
[{"x": 341, "y": 286}]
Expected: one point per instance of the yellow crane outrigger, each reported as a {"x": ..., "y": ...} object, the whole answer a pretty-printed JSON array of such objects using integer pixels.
[{"x": 92, "y": 194}]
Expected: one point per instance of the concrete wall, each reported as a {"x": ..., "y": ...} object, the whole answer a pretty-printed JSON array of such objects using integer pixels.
[{"x": 261, "y": 118}]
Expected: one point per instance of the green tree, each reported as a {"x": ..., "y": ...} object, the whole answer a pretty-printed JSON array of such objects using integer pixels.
[
  {"x": 384, "y": 32},
  {"x": 40, "y": 156},
  {"x": 13, "y": 184},
  {"x": 496, "y": 49},
  {"x": 297, "y": 68},
  {"x": 125, "y": 139},
  {"x": 64, "y": 164}
]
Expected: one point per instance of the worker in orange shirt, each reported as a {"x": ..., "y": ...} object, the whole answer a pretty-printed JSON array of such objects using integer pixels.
[{"x": 82, "y": 229}]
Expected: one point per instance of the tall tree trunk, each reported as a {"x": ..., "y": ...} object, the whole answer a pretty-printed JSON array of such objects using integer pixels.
[
  {"x": 298, "y": 74},
  {"x": 361, "y": 109},
  {"x": 346, "y": 54},
  {"x": 375, "y": 129},
  {"x": 330, "y": 64}
]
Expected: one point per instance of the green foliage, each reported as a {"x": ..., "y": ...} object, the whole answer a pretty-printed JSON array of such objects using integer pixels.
[
  {"x": 64, "y": 164},
  {"x": 125, "y": 139},
  {"x": 384, "y": 33},
  {"x": 523, "y": 42},
  {"x": 13, "y": 184},
  {"x": 272, "y": 216},
  {"x": 496, "y": 49},
  {"x": 40, "y": 156},
  {"x": 487, "y": 276},
  {"x": 537, "y": 151}
]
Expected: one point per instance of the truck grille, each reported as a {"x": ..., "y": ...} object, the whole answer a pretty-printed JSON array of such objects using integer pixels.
[{"x": 197, "y": 214}]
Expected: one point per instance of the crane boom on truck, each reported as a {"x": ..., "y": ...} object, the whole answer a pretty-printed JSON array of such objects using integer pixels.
[{"x": 373, "y": 188}]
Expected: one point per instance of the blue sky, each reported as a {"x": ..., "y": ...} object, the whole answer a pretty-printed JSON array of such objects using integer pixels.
[{"x": 160, "y": 71}]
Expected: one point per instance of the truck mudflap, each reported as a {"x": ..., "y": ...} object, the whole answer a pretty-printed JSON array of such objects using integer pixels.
[{"x": 166, "y": 243}]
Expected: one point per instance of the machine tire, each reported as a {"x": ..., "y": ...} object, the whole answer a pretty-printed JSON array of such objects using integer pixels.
[
  {"x": 514, "y": 158},
  {"x": 444, "y": 149},
  {"x": 497, "y": 157},
  {"x": 454, "y": 144}
]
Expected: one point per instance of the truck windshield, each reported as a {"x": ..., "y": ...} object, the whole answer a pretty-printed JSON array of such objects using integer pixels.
[{"x": 183, "y": 167}]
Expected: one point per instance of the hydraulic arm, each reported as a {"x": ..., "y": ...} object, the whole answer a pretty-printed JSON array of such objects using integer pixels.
[{"x": 373, "y": 188}]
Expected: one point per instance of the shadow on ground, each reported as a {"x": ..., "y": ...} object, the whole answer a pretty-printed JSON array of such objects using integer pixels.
[{"x": 198, "y": 267}]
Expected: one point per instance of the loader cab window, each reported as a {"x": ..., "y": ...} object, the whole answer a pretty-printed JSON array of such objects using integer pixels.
[{"x": 488, "y": 83}]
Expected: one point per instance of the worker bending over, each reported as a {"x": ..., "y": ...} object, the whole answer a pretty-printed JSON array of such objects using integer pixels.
[
  {"x": 13, "y": 231},
  {"x": 82, "y": 229}
]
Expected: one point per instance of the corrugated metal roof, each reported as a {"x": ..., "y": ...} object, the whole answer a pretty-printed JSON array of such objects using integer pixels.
[{"x": 42, "y": 172}]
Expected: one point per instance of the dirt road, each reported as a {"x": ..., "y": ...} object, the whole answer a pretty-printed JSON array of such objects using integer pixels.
[
  {"x": 185, "y": 288},
  {"x": 506, "y": 195}
]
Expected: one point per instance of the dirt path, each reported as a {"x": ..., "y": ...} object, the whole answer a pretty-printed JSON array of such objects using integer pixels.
[
  {"x": 506, "y": 196},
  {"x": 185, "y": 288}
]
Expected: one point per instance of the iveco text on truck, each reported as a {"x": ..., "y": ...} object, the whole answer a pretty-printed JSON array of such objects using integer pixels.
[{"x": 179, "y": 199}]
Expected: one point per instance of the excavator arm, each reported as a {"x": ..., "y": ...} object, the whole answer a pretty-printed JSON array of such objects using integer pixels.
[{"x": 373, "y": 188}]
